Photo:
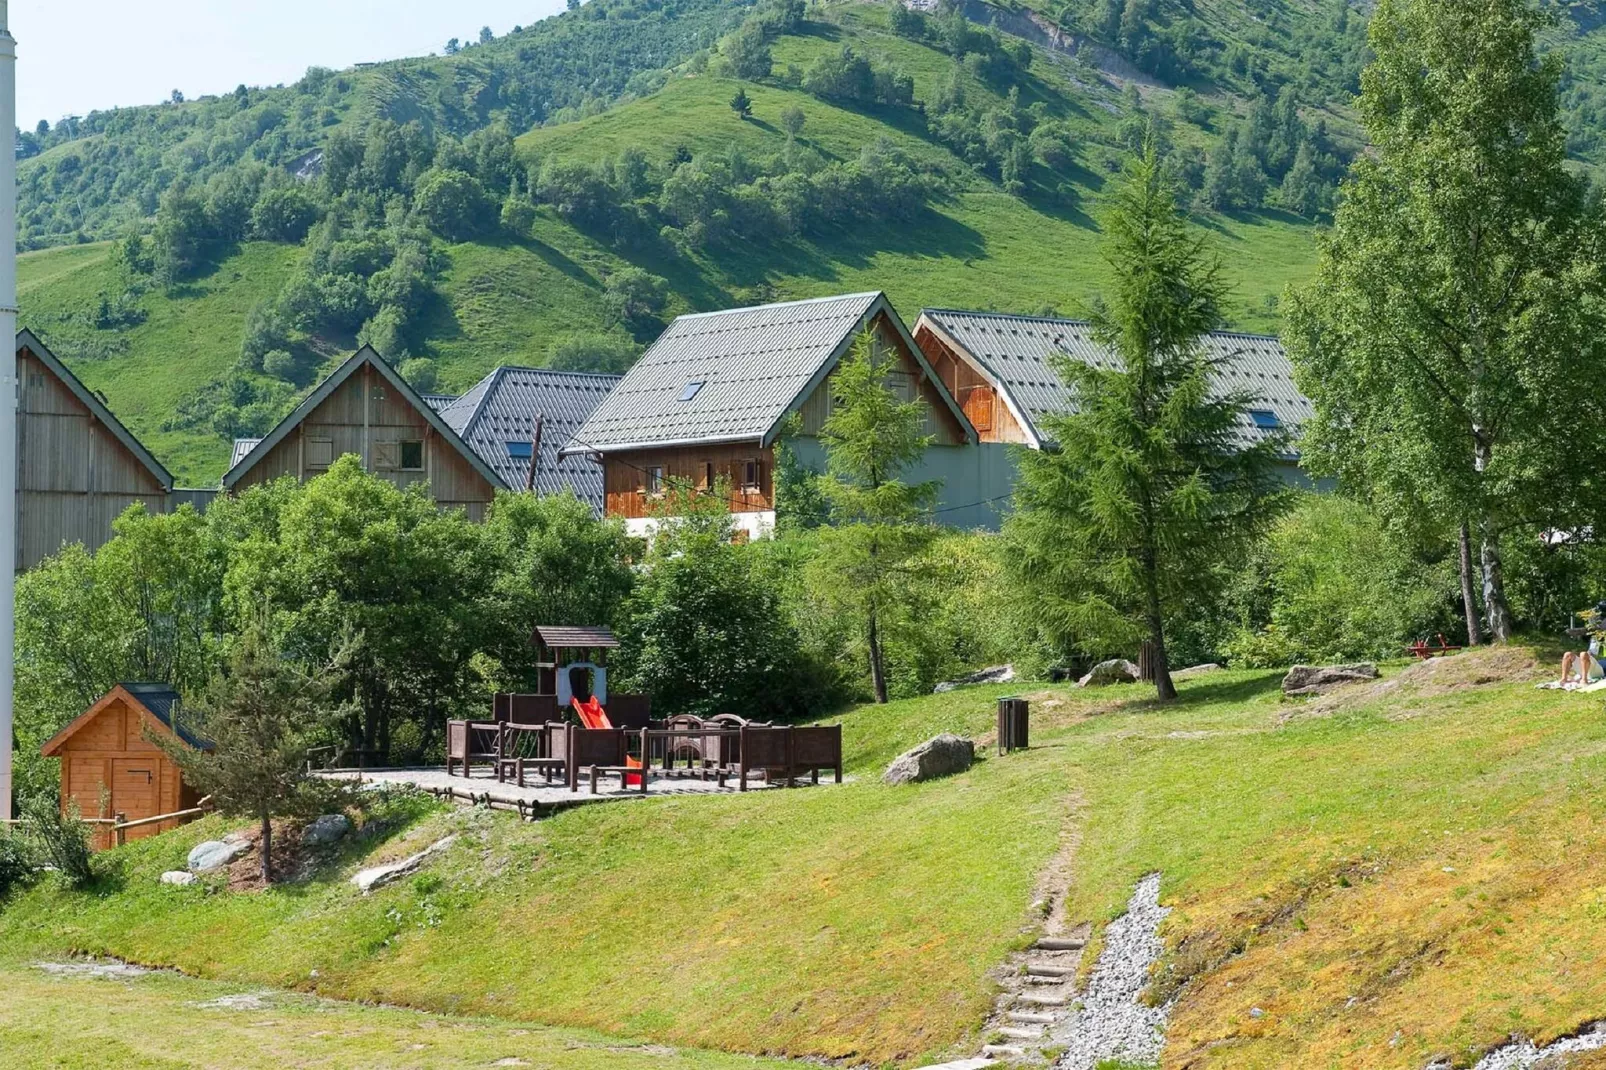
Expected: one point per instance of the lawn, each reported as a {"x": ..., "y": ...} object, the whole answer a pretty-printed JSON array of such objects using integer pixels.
[
  {"x": 81, "y": 1022},
  {"x": 1398, "y": 876}
]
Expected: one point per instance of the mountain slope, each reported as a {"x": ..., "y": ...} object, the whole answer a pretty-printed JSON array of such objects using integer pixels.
[{"x": 505, "y": 297}]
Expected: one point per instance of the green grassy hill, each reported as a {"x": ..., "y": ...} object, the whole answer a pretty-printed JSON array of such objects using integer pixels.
[
  {"x": 505, "y": 299},
  {"x": 1395, "y": 874}
]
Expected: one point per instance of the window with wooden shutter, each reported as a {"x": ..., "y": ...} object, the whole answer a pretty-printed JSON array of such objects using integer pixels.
[
  {"x": 320, "y": 452},
  {"x": 753, "y": 477},
  {"x": 708, "y": 476},
  {"x": 387, "y": 455},
  {"x": 653, "y": 485}
]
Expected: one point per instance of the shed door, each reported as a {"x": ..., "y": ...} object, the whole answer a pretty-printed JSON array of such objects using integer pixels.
[{"x": 136, "y": 789}]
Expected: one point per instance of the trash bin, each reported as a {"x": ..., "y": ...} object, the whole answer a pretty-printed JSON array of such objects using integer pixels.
[{"x": 1013, "y": 718}]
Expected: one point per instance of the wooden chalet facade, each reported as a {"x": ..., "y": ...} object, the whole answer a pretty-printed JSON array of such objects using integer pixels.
[
  {"x": 109, "y": 767},
  {"x": 78, "y": 466},
  {"x": 708, "y": 400},
  {"x": 366, "y": 408}
]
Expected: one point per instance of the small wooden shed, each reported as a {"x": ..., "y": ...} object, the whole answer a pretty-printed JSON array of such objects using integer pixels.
[{"x": 108, "y": 767}]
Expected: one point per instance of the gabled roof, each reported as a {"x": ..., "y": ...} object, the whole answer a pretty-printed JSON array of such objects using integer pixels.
[
  {"x": 1016, "y": 353},
  {"x": 29, "y": 341},
  {"x": 566, "y": 637},
  {"x": 158, "y": 700},
  {"x": 496, "y": 417},
  {"x": 733, "y": 376},
  {"x": 365, "y": 355},
  {"x": 438, "y": 401}
]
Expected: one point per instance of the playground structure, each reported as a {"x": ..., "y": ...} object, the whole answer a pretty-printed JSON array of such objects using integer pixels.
[{"x": 573, "y": 728}]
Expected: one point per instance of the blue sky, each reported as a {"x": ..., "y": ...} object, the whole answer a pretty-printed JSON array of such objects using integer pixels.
[{"x": 78, "y": 55}]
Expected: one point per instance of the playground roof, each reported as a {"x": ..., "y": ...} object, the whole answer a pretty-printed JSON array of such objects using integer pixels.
[
  {"x": 497, "y": 420},
  {"x": 1017, "y": 352},
  {"x": 567, "y": 637}
]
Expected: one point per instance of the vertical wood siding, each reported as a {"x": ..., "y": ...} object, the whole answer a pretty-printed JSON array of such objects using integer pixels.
[
  {"x": 975, "y": 394},
  {"x": 390, "y": 420},
  {"x": 73, "y": 477}
]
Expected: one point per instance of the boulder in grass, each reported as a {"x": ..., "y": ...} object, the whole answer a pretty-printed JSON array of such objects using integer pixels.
[
  {"x": 998, "y": 674},
  {"x": 1114, "y": 671},
  {"x": 325, "y": 830},
  {"x": 214, "y": 854},
  {"x": 1320, "y": 679},
  {"x": 938, "y": 757}
]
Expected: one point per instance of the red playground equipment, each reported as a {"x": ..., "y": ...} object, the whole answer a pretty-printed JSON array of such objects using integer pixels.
[{"x": 1423, "y": 650}]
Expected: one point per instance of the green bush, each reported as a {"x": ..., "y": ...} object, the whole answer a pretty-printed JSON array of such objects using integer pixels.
[
  {"x": 16, "y": 863},
  {"x": 60, "y": 839},
  {"x": 1331, "y": 584}
]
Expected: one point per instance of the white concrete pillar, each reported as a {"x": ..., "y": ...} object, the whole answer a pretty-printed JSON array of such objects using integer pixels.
[{"x": 8, "y": 396}]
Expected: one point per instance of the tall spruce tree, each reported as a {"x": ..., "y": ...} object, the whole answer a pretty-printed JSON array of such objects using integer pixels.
[
  {"x": 872, "y": 437},
  {"x": 1145, "y": 490},
  {"x": 1450, "y": 335}
]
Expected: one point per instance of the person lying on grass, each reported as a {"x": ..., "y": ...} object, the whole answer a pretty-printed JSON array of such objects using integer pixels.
[{"x": 1587, "y": 662}]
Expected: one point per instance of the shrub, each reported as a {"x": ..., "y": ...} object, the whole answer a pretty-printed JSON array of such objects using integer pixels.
[
  {"x": 1331, "y": 584},
  {"x": 612, "y": 354},
  {"x": 279, "y": 363},
  {"x": 453, "y": 204},
  {"x": 60, "y": 839},
  {"x": 283, "y": 213},
  {"x": 16, "y": 863}
]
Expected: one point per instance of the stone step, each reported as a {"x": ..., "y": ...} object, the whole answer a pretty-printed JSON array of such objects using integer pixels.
[
  {"x": 1031, "y": 1017},
  {"x": 1059, "y": 943},
  {"x": 1036, "y": 970},
  {"x": 1017, "y": 1033},
  {"x": 1039, "y": 979},
  {"x": 1007, "y": 1051},
  {"x": 961, "y": 1064},
  {"x": 1043, "y": 999}
]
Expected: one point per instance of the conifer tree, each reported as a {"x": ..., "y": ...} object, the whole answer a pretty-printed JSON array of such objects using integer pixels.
[
  {"x": 258, "y": 716},
  {"x": 1146, "y": 489},
  {"x": 873, "y": 437}
]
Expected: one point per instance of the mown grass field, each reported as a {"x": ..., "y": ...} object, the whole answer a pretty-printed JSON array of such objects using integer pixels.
[
  {"x": 1407, "y": 875},
  {"x": 164, "y": 1021},
  {"x": 504, "y": 300}
]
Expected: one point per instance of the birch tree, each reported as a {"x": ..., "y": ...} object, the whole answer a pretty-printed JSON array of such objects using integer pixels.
[{"x": 1449, "y": 336}]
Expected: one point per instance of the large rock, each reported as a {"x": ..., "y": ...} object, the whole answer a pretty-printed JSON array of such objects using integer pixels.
[
  {"x": 1319, "y": 679},
  {"x": 369, "y": 879},
  {"x": 1114, "y": 671},
  {"x": 997, "y": 674},
  {"x": 325, "y": 830},
  {"x": 180, "y": 877},
  {"x": 941, "y": 756},
  {"x": 213, "y": 854}
]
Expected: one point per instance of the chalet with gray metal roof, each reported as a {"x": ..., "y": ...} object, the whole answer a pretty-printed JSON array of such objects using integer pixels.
[
  {"x": 1001, "y": 370},
  {"x": 498, "y": 419},
  {"x": 366, "y": 408},
  {"x": 707, "y": 401}
]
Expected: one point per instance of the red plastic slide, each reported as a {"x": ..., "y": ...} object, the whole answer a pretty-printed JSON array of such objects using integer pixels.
[{"x": 592, "y": 715}]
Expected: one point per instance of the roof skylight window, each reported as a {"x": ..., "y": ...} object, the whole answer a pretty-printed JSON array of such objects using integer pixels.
[
  {"x": 691, "y": 389},
  {"x": 1265, "y": 419}
]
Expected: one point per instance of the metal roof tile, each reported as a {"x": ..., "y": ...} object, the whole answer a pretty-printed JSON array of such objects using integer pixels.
[{"x": 1018, "y": 351}]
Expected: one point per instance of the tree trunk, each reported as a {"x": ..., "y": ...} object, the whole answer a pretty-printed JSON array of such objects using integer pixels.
[
  {"x": 878, "y": 672},
  {"x": 1469, "y": 597},
  {"x": 1494, "y": 587},
  {"x": 1164, "y": 688},
  {"x": 265, "y": 849}
]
